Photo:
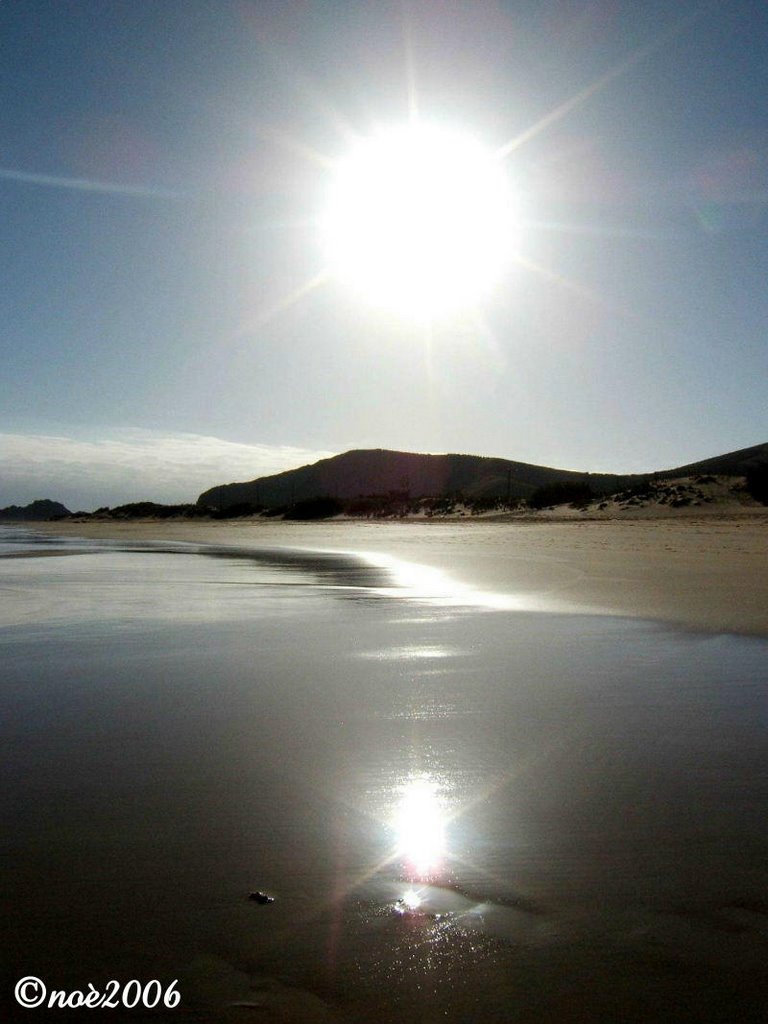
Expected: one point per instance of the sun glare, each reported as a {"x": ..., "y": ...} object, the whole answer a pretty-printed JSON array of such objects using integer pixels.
[
  {"x": 419, "y": 221},
  {"x": 420, "y": 827}
]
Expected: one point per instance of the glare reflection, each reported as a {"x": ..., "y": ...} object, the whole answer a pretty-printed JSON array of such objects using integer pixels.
[
  {"x": 430, "y": 586},
  {"x": 420, "y": 823},
  {"x": 411, "y": 652},
  {"x": 424, "y": 585},
  {"x": 409, "y": 902}
]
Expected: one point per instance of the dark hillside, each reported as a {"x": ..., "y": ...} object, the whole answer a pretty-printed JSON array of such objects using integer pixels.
[
  {"x": 37, "y": 511},
  {"x": 737, "y": 463},
  {"x": 379, "y": 471}
]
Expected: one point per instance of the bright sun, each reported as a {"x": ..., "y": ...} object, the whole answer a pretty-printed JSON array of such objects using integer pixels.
[{"x": 419, "y": 221}]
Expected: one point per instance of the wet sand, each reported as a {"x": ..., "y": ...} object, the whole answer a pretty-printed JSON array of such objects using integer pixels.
[
  {"x": 187, "y": 724},
  {"x": 701, "y": 573}
]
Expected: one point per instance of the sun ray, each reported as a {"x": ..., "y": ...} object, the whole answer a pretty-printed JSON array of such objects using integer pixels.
[
  {"x": 274, "y": 52},
  {"x": 268, "y": 314},
  {"x": 293, "y": 145},
  {"x": 428, "y": 342},
  {"x": 560, "y": 279},
  {"x": 602, "y": 231},
  {"x": 410, "y": 67},
  {"x": 594, "y": 298},
  {"x": 599, "y": 84}
]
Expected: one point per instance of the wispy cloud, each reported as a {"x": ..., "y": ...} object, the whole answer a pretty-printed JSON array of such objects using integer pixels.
[
  {"x": 132, "y": 465},
  {"x": 86, "y": 184}
]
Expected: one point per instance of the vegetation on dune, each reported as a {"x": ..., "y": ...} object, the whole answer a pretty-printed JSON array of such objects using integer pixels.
[
  {"x": 237, "y": 511},
  {"x": 315, "y": 508},
  {"x": 147, "y": 510},
  {"x": 561, "y": 493},
  {"x": 757, "y": 482}
]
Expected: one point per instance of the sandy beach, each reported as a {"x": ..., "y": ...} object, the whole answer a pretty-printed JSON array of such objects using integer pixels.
[
  {"x": 700, "y": 572},
  {"x": 200, "y": 711}
]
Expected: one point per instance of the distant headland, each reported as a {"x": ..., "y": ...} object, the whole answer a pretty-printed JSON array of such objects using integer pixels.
[{"x": 37, "y": 511}]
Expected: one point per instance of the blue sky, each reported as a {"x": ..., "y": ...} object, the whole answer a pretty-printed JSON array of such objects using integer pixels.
[{"x": 159, "y": 198}]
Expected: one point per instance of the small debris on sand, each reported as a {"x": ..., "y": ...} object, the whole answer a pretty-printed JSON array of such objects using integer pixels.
[{"x": 260, "y": 897}]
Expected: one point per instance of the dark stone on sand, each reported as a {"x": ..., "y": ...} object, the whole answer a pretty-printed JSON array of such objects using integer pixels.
[{"x": 260, "y": 897}]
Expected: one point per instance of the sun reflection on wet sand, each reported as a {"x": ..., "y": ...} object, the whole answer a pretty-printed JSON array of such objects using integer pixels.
[
  {"x": 409, "y": 902},
  {"x": 424, "y": 584},
  {"x": 420, "y": 822}
]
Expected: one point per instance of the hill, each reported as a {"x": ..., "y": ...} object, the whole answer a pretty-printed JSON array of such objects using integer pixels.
[
  {"x": 737, "y": 463},
  {"x": 380, "y": 471},
  {"x": 36, "y": 511}
]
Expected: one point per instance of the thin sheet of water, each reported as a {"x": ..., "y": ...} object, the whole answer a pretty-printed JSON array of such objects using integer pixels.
[{"x": 185, "y": 724}]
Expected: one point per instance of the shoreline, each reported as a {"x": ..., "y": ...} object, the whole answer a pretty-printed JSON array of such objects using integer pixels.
[{"x": 705, "y": 574}]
